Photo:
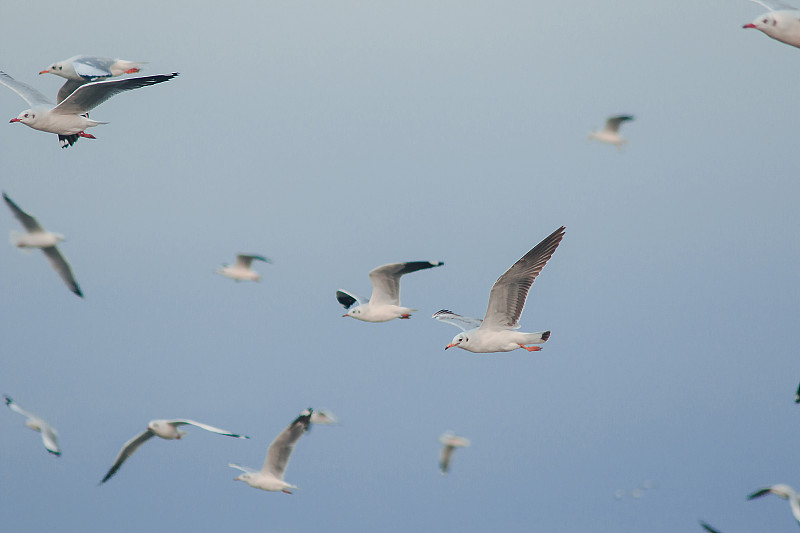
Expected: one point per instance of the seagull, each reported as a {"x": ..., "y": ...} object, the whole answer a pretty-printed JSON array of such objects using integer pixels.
[
  {"x": 49, "y": 435},
  {"x": 797, "y": 395},
  {"x": 781, "y": 22},
  {"x": 241, "y": 271},
  {"x": 84, "y": 69},
  {"x": 270, "y": 478},
  {"x": 37, "y": 237},
  {"x": 707, "y": 527},
  {"x": 68, "y": 119},
  {"x": 166, "y": 429},
  {"x": 784, "y": 491},
  {"x": 384, "y": 304},
  {"x": 451, "y": 441},
  {"x": 610, "y": 134},
  {"x": 496, "y": 332}
]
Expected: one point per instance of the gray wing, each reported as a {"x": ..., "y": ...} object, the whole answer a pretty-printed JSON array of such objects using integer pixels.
[
  {"x": 27, "y": 221},
  {"x": 244, "y": 260},
  {"x": 509, "y": 292},
  {"x": 444, "y": 458},
  {"x": 613, "y": 123},
  {"x": 386, "y": 280},
  {"x": 49, "y": 438},
  {"x": 774, "y": 6},
  {"x": 794, "y": 502},
  {"x": 281, "y": 448},
  {"x": 91, "y": 68},
  {"x": 61, "y": 266},
  {"x": 28, "y": 93},
  {"x": 708, "y": 528},
  {"x": 67, "y": 89},
  {"x": 347, "y": 299},
  {"x": 127, "y": 450},
  {"x": 90, "y": 95},
  {"x": 17, "y": 409},
  {"x": 183, "y": 422},
  {"x": 465, "y": 323},
  {"x": 243, "y": 468},
  {"x": 759, "y": 493}
]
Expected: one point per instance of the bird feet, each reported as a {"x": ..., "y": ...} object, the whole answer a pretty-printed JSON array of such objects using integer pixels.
[
  {"x": 531, "y": 348},
  {"x": 405, "y": 316},
  {"x": 86, "y": 135},
  {"x": 286, "y": 491},
  {"x": 133, "y": 70}
]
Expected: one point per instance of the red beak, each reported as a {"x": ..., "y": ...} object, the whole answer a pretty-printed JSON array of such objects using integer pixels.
[
  {"x": 14, "y": 120},
  {"x": 450, "y": 345},
  {"x": 751, "y": 25},
  {"x": 44, "y": 72}
]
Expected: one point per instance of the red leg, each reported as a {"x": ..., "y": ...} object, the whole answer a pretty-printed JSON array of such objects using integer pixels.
[
  {"x": 133, "y": 70},
  {"x": 531, "y": 348},
  {"x": 405, "y": 316},
  {"x": 86, "y": 135}
]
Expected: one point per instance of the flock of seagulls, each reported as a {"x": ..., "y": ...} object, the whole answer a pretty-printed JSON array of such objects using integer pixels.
[{"x": 89, "y": 83}]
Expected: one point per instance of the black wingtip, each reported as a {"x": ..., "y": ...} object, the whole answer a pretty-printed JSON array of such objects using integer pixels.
[{"x": 8, "y": 400}]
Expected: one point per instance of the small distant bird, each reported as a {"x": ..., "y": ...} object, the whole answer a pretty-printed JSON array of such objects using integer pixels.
[
  {"x": 797, "y": 395},
  {"x": 49, "y": 435},
  {"x": 497, "y": 331},
  {"x": 37, "y": 237},
  {"x": 166, "y": 429},
  {"x": 241, "y": 271},
  {"x": 270, "y": 478},
  {"x": 451, "y": 441},
  {"x": 707, "y": 527},
  {"x": 784, "y": 491},
  {"x": 384, "y": 304},
  {"x": 323, "y": 417},
  {"x": 782, "y": 23},
  {"x": 69, "y": 118},
  {"x": 82, "y": 69},
  {"x": 610, "y": 133}
]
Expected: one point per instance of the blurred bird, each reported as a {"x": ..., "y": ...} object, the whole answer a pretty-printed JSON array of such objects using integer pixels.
[
  {"x": 610, "y": 133},
  {"x": 797, "y": 395},
  {"x": 37, "y": 237},
  {"x": 451, "y": 441},
  {"x": 241, "y": 271},
  {"x": 496, "y": 332},
  {"x": 384, "y": 304},
  {"x": 270, "y": 478},
  {"x": 707, "y": 527},
  {"x": 323, "y": 417},
  {"x": 70, "y": 118},
  {"x": 784, "y": 491},
  {"x": 82, "y": 69},
  {"x": 49, "y": 435},
  {"x": 166, "y": 429},
  {"x": 781, "y": 22}
]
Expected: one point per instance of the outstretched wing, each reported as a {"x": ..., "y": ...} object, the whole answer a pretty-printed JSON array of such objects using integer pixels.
[
  {"x": 508, "y": 295},
  {"x": 465, "y": 323},
  {"x": 707, "y": 527},
  {"x": 775, "y": 6},
  {"x": 27, "y": 221},
  {"x": 90, "y": 68},
  {"x": 17, "y": 409},
  {"x": 348, "y": 299},
  {"x": 613, "y": 123},
  {"x": 49, "y": 438},
  {"x": 68, "y": 88},
  {"x": 244, "y": 260},
  {"x": 61, "y": 267},
  {"x": 183, "y": 422},
  {"x": 243, "y": 468},
  {"x": 386, "y": 280},
  {"x": 444, "y": 458},
  {"x": 90, "y": 95},
  {"x": 28, "y": 93},
  {"x": 281, "y": 448},
  {"x": 127, "y": 450}
]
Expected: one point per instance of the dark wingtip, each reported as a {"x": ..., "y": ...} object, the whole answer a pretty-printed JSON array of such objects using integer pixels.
[
  {"x": 545, "y": 335},
  {"x": 57, "y": 454},
  {"x": 8, "y": 400}
]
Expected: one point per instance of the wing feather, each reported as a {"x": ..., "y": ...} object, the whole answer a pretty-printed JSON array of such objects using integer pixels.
[
  {"x": 61, "y": 266},
  {"x": 127, "y": 450},
  {"x": 281, "y": 448},
  {"x": 465, "y": 323},
  {"x": 90, "y": 95},
  {"x": 386, "y": 280},
  {"x": 28, "y": 93},
  {"x": 27, "y": 221}
]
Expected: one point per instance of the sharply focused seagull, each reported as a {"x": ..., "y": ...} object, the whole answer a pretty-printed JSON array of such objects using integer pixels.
[
  {"x": 82, "y": 69},
  {"x": 384, "y": 304},
  {"x": 784, "y": 491},
  {"x": 610, "y": 133},
  {"x": 781, "y": 22},
  {"x": 451, "y": 441},
  {"x": 241, "y": 271},
  {"x": 49, "y": 435},
  {"x": 497, "y": 331},
  {"x": 68, "y": 119},
  {"x": 37, "y": 237},
  {"x": 166, "y": 429},
  {"x": 270, "y": 478}
]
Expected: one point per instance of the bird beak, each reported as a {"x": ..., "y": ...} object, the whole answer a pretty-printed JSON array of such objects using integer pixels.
[
  {"x": 751, "y": 25},
  {"x": 450, "y": 345},
  {"x": 14, "y": 120},
  {"x": 44, "y": 72},
  {"x": 345, "y": 315}
]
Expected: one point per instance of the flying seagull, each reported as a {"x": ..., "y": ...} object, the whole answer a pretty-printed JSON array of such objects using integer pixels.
[
  {"x": 781, "y": 22},
  {"x": 610, "y": 133},
  {"x": 784, "y": 491},
  {"x": 384, "y": 304},
  {"x": 451, "y": 441},
  {"x": 166, "y": 429},
  {"x": 82, "y": 69},
  {"x": 37, "y": 237},
  {"x": 497, "y": 331},
  {"x": 270, "y": 478},
  {"x": 241, "y": 271},
  {"x": 49, "y": 435},
  {"x": 68, "y": 119}
]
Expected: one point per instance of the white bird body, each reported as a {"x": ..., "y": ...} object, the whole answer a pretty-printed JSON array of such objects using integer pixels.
[
  {"x": 270, "y": 477},
  {"x": 91, "y": 68},
  {"x": 384, "y": 304},
  {"x": 241, "y": 271},
  {"x": 497, "y": 332},
  {"x": 166, "y": 429},
  {"x": 43, "y": 119},
  {"x": 781, "y": 24},
  {"x": 36, "y": 423},
  {"x": 784, "y": 491},
  {"x": 610, "y": 133},
  {"x": 35, "y": 239}
]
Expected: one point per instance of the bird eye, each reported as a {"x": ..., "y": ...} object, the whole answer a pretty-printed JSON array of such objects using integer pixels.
[
  {"x": 25, "y": 115},
  {"x": 766, "y": 21},
  {"x": 60, "y": 67}
]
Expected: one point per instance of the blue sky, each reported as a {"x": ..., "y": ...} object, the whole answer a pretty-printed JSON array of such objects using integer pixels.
[{"x": 334, "y": 137}]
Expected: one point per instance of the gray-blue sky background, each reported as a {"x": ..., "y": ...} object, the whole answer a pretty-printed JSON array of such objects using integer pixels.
[{"x": 334, "y": 137}]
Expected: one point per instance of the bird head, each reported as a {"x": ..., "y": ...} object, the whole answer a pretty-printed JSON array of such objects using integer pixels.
[
  {"x": 765, "y": 23},
  {"x": 458, "y": 340},
  {"x": 26, "y": 117},
  {"x": 55, "y": 68},
  {"x": 355, "y": 312}
]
